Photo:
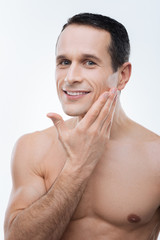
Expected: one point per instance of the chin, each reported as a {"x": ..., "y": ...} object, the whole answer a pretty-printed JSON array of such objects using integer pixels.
[{"x": 75, "y": 112}]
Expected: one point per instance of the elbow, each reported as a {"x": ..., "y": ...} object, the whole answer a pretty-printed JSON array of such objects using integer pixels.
[
  {"x": 8, "y": 230},
  {"x": 7, "y": 233}
]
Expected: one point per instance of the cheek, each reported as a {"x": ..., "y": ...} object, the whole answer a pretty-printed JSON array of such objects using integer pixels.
[
  {"x": 57, "y": 78},
  {"x": 113, "y": 80},
  {"x": 59, "y": 82},
  {"x": 106, "y": 82},
  {"x": 101, "y": 85},
  {"x": 58, "y": 88},
  {"x": 99, "y": 88}
]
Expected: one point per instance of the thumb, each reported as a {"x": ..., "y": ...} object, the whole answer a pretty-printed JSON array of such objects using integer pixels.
[{"x": 57, "y": 120}]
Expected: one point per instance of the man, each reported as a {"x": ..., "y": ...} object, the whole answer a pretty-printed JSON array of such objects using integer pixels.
[{"x": 95, "y": 176}]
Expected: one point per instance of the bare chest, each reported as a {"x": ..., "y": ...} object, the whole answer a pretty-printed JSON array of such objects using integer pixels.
[{"x": 121, "y": 190}]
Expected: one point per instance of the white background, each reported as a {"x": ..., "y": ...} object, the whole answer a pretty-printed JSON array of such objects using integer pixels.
[{"x": 28, "y": 33}]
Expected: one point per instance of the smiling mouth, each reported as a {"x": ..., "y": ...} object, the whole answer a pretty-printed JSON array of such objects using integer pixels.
[{"x": 75, "y": 93}]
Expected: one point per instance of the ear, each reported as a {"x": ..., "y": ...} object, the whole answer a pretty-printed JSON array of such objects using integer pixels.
[{"x": 124, "y": 75}]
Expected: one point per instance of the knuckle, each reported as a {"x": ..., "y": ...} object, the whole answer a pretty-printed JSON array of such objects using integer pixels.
[
  {"x": 107, "y": 108},
  {"x": 102, "y": 102},
  {"x": 63, "y": 136},
  {"x": 93, "y": 132},
  {"x": 94, "y": 114},
  {"x": 81, "y": 129}
]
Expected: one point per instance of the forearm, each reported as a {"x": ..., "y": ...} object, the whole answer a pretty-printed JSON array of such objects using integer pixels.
[{"x": 48, "y": 217}]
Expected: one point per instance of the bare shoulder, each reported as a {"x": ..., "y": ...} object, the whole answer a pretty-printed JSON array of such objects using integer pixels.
[
  {"x": 142, "y": 133},
  {"x": 27, "y": 171},
  {"x": 34, "y": 145},
  {"x": 41, "y": 140},
  {"x": 149, "y": 143}
]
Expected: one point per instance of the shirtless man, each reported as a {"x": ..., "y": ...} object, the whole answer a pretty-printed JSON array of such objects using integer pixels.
[{"x": 97, "y": 175}]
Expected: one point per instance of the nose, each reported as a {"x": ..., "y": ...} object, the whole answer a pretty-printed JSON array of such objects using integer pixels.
[{"x": 74, "y": 74}]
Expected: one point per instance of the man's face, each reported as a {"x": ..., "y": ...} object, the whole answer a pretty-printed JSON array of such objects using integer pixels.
[{"x": 83, "y": 68}]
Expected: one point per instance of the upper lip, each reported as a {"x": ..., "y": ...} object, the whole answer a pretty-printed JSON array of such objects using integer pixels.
[{"x": 79, "y": 90}]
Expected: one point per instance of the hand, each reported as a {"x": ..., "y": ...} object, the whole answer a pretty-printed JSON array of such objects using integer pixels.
[{"x": 85, "y": 144}]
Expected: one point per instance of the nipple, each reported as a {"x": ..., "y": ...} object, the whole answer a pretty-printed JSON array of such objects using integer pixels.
[{"x": 132, "y": 218}]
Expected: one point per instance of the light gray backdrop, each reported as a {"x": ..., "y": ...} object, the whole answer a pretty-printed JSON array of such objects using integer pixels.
[{"x": 28, "y": 33}]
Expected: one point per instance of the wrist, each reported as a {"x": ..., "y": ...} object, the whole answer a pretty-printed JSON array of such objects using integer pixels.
[{"x": 77, "y": 170}]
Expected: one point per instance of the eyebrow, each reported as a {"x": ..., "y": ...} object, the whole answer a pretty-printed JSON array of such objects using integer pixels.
[
  {"x": 85, "y": 55},
  {"x": 60, "y": 57},
  {"x": 92, "y": 56}
]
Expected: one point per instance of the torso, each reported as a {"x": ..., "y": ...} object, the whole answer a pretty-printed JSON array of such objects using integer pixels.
[{"x": 121, "y": 200}]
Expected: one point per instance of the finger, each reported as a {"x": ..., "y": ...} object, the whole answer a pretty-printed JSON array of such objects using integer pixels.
[
  {"x": 109, "y": 119},
  {"x": 94, "y": 111},
  {"x": 108, "y": 130},
  {"x": 57, "y": 120},
  {"x": 105, "y": 111}
]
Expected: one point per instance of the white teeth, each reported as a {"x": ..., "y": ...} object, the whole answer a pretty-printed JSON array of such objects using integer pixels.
[{"x": 75, "y": 93}]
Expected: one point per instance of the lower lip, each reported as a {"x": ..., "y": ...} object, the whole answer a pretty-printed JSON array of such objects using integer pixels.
[{"x": 75, "y": 97}]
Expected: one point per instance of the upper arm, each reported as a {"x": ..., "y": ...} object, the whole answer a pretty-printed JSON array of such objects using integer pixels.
[
  {"x": 156, "y": 159},
  {"x": 27, "y": 178}
]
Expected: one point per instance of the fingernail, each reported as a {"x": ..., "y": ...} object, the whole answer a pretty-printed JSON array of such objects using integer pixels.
[{"x": 49, "y": 115}]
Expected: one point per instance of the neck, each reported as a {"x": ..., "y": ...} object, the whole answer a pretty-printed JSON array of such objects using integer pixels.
[{"x": 119, "y": 124}]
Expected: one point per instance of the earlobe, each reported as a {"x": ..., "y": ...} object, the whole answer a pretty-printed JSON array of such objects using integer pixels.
[{"x": 124, "y": 75}]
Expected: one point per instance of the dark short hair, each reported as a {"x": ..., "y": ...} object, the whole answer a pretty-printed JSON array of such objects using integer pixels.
[{"x": 119, "y": 48}]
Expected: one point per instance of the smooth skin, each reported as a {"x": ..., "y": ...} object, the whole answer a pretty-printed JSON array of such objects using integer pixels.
[{"x": 95, "y": 176}]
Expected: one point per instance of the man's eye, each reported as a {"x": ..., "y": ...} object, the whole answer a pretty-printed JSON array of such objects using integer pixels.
[
  {"x": 90, "y": 63},
  {"x": 65, "y": 62}
]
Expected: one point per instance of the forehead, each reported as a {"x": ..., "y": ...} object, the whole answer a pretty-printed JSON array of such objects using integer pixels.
[{"x": 82, "y": 38}]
